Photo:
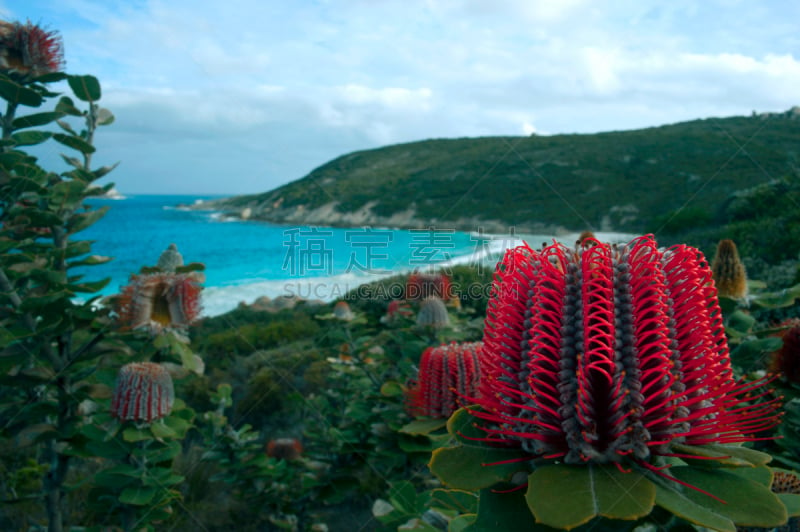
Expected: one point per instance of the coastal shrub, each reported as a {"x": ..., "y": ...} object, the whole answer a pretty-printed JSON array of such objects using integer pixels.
[{"x": 245, "y": 339}]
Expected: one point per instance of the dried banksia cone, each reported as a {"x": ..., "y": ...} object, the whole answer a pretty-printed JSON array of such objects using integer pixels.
[
  {"x": 423, "y": 285},
  {"x": 143, "y": 393},
  {"x": 433, "y": 314},
  {"x": 341, "y": 311},
  {"x": 787, "y": 359},
  {"x": 607, "y": 354},
  {"x": 285, "y": 448},
  {"x": 29, "y": 50},
  {"x": 160, "y": 301},
  {"x": 170, "y": 259},
  {"x": 587, "y": 238},
  {"x": 447, "y": 375},
  {"x": 728, "y": 271}
]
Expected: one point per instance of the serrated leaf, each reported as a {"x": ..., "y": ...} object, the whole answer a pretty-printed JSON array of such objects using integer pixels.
[
  {"x": 36, "y": 119},
  {"x": 86, "y": 88},
  {"x": 564, "y": 496},
  {"x": 73, "y": 142},
  {"x": 30, "y": 138},
  {"x": 462, "y": 467}
]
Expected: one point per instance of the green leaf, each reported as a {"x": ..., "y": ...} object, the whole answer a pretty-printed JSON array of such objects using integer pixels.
[
  {"x": 104, "y": 170},
  {"x": 462, "y": 467},
  {"x": 67, "y": 106},
  {"x": 741, "y": 322},
  {"x": 86, "y": 88},
  {"x": 779, "y": 299},
  {"x": 461, "y": 523},
  {"x": 423, "y": 426},
  {"x": 73, "y": 142},
  {"x": 133, "y": 435},
  {"x": 391, "y": 389},
  {"x": 79, "y": 222},
  {"x": 36, "y": 433},
  {"x": 503, "y": 511},
  {"x": 67, "y": 194},
  {"x": 565, "y": 496},
  {"x": 161, "y": 431},
  {"x": 137, "y": 496},
  {"x": 16, "y": 93},
  {"x": 746, "y": 503},
  {"x": 104, "y": 117},
  {"x": 459, "y": 501},
  {"x": 36, "y": 119},
  {"x": 30, "y": 138},
  {"x": 760, "y": 475},
  {"x": 792, "y": 503},
  {"x": 727, "y": 455},
  {"x": 463, "y": 427}
]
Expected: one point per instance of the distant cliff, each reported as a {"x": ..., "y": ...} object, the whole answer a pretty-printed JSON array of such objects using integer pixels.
[{"x": 623, "y": 180}]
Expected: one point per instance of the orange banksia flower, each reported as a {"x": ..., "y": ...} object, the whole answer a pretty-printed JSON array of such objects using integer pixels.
[
  {"x": 30, "y": 50},
  {"x": 728, "y": 271},
  {"x": 143, "y": 393},
  {"x": 160, "y": 301},
  {"x": 607, "y": 354},
  {"x": 447, "y": 375}
]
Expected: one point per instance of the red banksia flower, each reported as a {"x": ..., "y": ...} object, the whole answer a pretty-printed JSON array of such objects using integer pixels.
[
  {"x": 160, "y": 300},
  {"x": 143, "y": 392},
  {"x": 728, "y": 271},
  {"x": 607, "y": 354},
  {"x": 423, "y": 285},
  {"x": 28, "y": 49},
  {"x": 284, "y": 448},
  {"x": 447, "y": 375}
]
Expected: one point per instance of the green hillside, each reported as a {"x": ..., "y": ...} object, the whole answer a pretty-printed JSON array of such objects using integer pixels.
[{"x": 666, "y": 179}]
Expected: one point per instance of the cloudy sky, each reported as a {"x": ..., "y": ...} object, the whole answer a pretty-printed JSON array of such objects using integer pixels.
[{"x": 244, "y": 95}]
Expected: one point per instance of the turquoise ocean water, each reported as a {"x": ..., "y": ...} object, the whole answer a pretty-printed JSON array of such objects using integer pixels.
[{"x": 248, "y": 259}]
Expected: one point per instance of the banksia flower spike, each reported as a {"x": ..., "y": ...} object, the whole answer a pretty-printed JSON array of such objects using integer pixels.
[
  {"x": 728, "y": 271},
  {"x": 607, "y": 354},
  {"x": 448, "y": 374},
  {"x": 29, "y": 50},
  {"x": 170, "y": 259},
  {"x": 433, "y": 314},
  {"x": 143, "y": 393},
  {"x": 160, "y": 301},
  {"x": 341, "y": 311},
  {"x": 285, "y": 448},
  {"x": 423, "y": 285}
]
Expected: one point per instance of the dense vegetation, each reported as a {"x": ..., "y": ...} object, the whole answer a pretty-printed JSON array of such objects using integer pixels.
[{"x": 661, "y": 179}]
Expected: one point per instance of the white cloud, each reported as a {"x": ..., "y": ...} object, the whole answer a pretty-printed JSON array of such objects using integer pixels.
[{"x": 276, "y": 88}]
